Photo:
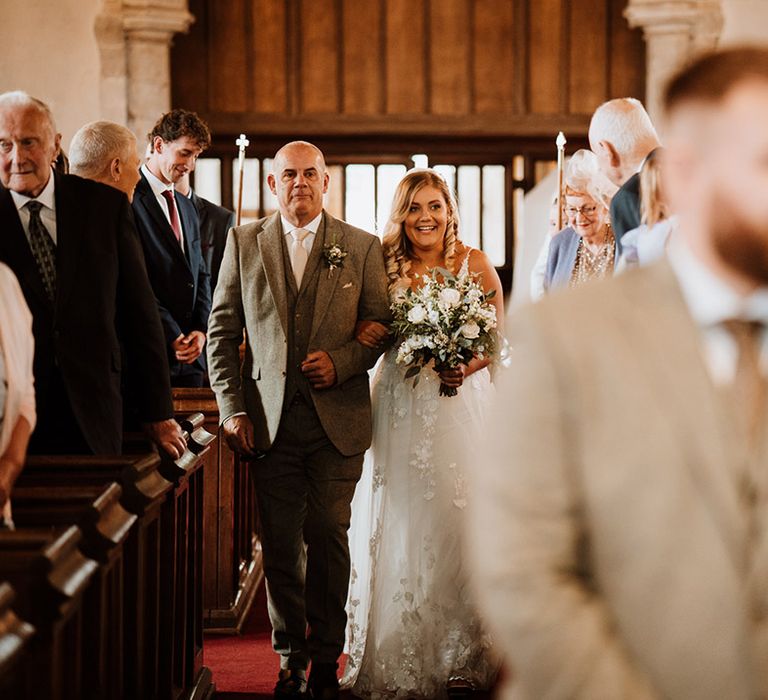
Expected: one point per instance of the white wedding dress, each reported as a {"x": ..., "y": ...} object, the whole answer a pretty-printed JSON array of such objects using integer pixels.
[{"x": 412, "y": 624}]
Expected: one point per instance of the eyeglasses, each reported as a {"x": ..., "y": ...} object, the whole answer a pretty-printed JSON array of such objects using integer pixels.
[{"x": 587, "y": 210}]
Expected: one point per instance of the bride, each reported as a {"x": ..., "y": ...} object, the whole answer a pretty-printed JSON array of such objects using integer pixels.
[{"x": 413, "y": 631}]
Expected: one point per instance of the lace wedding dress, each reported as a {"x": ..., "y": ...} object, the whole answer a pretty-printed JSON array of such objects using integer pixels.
[{"x": 412, "y": 624}]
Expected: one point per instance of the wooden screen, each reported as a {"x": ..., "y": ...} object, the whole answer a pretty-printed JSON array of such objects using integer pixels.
[{"x": 431, "y": 67}]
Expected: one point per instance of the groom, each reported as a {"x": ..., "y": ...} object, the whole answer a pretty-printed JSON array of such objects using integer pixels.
[{"x": 300, "y": 407}]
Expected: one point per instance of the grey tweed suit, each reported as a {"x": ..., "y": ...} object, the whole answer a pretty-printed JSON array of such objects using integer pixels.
[{"x": 313, "y": 441}]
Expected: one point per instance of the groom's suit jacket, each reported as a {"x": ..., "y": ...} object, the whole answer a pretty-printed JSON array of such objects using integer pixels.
[
  {"x": 251, "y": 296},
  {"x": 611, "y": 544}
]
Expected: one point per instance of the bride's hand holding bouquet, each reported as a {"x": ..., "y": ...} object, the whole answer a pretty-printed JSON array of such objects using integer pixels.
[{"x": 448, "y": 321}]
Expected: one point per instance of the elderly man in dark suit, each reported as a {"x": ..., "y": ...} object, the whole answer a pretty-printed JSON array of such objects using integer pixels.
[
  {"x": 73, "y": 247},
  {"x": 106, "y": 152},
  {"x": 622, "y": 136},
  {"x": 170, "y": 234},
  {"x": 215, "y": 222}
]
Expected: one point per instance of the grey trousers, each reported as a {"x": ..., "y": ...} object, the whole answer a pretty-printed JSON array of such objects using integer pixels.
[{"x": 304, "y": 490}]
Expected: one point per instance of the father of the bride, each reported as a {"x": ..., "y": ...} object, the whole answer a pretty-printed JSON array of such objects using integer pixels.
[{"x": 298, "y": 282}]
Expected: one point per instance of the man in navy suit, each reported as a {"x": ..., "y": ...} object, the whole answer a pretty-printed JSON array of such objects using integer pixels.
[{"x": 170, "y": 234}]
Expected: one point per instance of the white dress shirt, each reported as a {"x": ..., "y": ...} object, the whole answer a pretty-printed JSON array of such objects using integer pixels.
[
  {"x": 47, "y": 212},
  {"x": 711, "y": 301},
  {"x": 312, "y": 227},
  {"x": 158, "y": 187}
]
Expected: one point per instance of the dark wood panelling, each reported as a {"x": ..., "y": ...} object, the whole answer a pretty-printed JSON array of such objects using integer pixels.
[
  {"x": 270, "y": 57},
  {"x": 450, "y": 35},
  {"x": 588, "y": 64},
  {"x": 494, "y": 57},
  {"x": 473, "y": 67},
  {"x": 627, "y": 55},
  {"x": 190, "y": 85},
  {"x": 318, "y": 52},
  {"x": 362, "y": 30},
  {"x": 545, "y": 29},
  {"x": 227, "y": 62},
  {"x": 405, "y": 57}
]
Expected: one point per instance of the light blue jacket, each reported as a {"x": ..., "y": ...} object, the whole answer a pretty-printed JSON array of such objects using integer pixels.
[{"x": 562, "y": 259}]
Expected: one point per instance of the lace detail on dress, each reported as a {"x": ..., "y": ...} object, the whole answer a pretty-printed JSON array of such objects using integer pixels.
[
  {"x": 436, "y": 637},
  {"x": 412, "y": 623}
]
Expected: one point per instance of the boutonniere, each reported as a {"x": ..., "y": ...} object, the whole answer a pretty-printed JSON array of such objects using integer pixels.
[{"x": 334, "y": 255}]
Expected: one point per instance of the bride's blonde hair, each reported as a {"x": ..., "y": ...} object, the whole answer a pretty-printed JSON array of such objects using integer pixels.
[{"x": 398, "y": 251}]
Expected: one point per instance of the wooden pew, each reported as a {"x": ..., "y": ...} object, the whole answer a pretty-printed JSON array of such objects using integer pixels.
[
  {"x": 143, "y": 493},
  {"x": 232, "y": 567},
  {"x": 50, "y": 575},
  {"x": 148, "y": 527},
  {"x": 181, "y": 673},
  {"x": 106, "y": 526},
  {"x": 15, "y": 636}
]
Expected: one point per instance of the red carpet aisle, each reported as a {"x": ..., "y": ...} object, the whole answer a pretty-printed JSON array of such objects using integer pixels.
[{"x": 245, "y": 667}]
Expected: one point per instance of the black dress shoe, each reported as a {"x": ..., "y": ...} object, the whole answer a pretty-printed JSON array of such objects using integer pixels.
[
  {"x": 291, "y": 683},
  {"x": 323, "y": 682}
]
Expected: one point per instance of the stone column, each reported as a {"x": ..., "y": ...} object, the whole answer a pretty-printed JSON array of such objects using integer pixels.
[
  {"x": 134, "y": 40},
  {"x": 674, "y": 31}
]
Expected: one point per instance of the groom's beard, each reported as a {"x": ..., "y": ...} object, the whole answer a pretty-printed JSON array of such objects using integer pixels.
[{"x": 742, "y": 245}]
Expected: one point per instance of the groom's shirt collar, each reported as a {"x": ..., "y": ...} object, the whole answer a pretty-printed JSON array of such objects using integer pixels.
[{"x": 312, "y": 226}]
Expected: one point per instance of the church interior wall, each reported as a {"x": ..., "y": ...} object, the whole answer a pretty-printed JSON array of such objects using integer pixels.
[{"x": 50, "y": 51}]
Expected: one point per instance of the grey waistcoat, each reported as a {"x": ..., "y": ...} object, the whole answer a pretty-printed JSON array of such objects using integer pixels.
[{"x": 301, "y": 309}]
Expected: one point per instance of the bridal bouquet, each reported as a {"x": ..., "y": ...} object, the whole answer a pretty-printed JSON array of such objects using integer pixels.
[{"x": 448, "y": 320}]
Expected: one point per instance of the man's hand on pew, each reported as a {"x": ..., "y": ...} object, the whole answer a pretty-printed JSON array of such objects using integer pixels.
[
  {"x": 166, "y": 434},
  {"x": 238, "y": 432}
]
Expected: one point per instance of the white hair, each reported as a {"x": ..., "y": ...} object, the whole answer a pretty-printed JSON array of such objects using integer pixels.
[
  {"x": 96, "y": 145},
  {"x": 624, "y": 124},
  {"x": 583, "y": 176},
  {"x": 21, "y": 100}
]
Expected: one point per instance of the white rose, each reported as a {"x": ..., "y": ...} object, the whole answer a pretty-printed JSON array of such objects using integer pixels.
[
  {"x": 417, "y": 314},
  {"x": 450, "y": 297},
  {"x": 470, "y": 330},
  {"x": 474, "y": 295}
]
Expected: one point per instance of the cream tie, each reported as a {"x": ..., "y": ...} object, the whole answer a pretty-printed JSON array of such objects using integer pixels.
[
  {"x": 299, "y": 255},
  {"x": 749, "y": 385}
]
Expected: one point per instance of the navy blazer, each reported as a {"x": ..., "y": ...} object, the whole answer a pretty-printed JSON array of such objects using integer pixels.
[
  {"x": 215, "y": 223},
  {"x": 104, "y": 321},
  {"x": 562, "y": 258},
  {"x": 179, "y": 277}
]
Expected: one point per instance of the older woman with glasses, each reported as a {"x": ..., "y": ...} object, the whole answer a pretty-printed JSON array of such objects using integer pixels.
[{"x": 586, "y": 249}]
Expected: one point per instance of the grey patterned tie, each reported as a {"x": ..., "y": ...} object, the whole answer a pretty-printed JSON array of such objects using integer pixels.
[{"x": 43, "y": 248}]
